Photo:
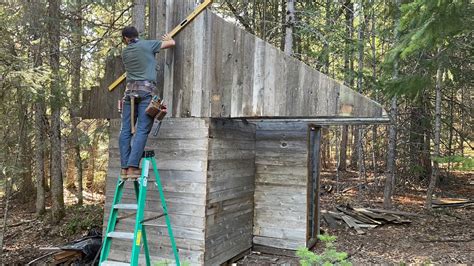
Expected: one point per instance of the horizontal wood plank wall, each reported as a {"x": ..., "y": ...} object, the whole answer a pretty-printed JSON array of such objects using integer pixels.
[
  {"x": 181, "y": 153},
  {"x": 230, "y": 190},
  {"x": 280, "y": 184}
]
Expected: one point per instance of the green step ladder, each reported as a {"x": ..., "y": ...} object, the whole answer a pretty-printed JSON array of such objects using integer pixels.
[{"x": 139, "y": 236}]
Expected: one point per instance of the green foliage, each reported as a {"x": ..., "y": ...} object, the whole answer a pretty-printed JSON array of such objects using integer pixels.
[
  {"x": 330, "y": 255},
  {"x": 459, "y": 162},
  {"x": 430, "y": 33}
]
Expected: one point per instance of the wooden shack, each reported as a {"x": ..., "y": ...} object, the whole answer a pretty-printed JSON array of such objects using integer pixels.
[{"x": 239, "y": 151}]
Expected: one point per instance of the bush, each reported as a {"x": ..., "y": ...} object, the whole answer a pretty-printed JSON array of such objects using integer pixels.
[{"x": 329, "y": 256}]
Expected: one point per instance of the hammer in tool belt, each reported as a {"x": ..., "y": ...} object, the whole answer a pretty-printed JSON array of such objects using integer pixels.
[{"x": 133, "y": 96}]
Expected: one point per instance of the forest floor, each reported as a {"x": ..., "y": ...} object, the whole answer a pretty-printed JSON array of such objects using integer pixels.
[
  {"x": 27, "y": 236},
  {"x": 443, "y": 236}
]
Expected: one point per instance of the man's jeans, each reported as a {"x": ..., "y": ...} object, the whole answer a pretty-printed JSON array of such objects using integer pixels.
[{"x": 130, "y": 156}]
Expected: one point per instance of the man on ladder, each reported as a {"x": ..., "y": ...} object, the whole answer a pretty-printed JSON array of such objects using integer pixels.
[
  {"x": 140, "y": 65},
  {"x": 139, "y": 60}
]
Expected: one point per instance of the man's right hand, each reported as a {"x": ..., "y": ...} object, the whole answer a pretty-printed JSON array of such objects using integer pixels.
[{"x": 167, "y": 42}]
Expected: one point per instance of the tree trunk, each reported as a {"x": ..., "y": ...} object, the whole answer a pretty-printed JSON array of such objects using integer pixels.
[
  {"x": 360, "y": 79},
  {"x": 57, "y": 195},
  {"x": 6, "y": 199},
  {"x": 392, "y": 137},
  {"x": 437, "y": 136},
  {"x": 347, "y": 6},
  {"x": 355, "y": 140},
  {"x": 325, "y": 153},
  {"x": 326, "y": 51},
  {"x": 24, "y": 159},
  {"x": 451, "y": 129},
  {"x": 375, "y": 152},
  {"x": 391, "y": 156},
  {"x": 40, "y": 147},
  {"x": 91, "y": 163},
  {"x": 343, "y": 149},
  {"x": 138, "y": 15},
  {"x": 290, "y": 22},
  {"x": 76, "y": 60}
]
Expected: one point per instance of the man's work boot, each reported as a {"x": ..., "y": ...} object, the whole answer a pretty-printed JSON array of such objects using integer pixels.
[{"x": 134, "y": 172}]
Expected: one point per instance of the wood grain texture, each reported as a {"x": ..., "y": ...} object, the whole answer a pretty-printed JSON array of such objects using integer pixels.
[
  {"x": 280, "y": 184},
  {"x": 181, "y": 153},
  {"x": 230, "y": 189},
  {"x": 99, "y": 102}
]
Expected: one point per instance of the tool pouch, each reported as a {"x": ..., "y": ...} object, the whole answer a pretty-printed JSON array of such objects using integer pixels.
[
  {"x": 162, "y": 113},
  {"x": 154, "y": 107}
]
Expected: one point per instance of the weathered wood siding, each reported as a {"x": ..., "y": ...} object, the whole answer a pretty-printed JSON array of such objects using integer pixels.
[
  {"x": 181, "y": 153},
  {"x": 281, "y": 159},
  {"x": 230, "y": 190},
  {"x": 98, "y": 102},
  {"x": 219, "y": 70}
]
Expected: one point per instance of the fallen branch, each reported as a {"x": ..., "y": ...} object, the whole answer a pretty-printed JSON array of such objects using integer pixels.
[
  {"x": 19, "y": 223},
  {"x": 239, "y": 17},
  {"x": 40, "y": 258}
]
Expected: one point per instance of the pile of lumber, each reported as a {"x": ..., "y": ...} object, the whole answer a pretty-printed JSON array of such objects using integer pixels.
[{"x": 364, "y": 218}]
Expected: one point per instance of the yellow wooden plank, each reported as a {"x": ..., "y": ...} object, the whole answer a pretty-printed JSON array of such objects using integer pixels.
[{"x": 175, "y": 31}]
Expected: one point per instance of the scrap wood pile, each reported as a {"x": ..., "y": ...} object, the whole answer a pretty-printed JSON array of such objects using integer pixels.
[
  {"x": 364, "y": 218},
  {"x": 78, "y": 252}
]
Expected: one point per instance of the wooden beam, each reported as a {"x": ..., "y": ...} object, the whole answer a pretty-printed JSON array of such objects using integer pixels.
[{"x": 313, "y": 194}]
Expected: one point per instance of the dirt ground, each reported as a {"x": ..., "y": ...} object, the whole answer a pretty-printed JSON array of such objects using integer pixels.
[{"x": 444, "y": 236}]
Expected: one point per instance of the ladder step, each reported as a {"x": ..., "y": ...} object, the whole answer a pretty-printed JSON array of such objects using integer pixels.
[
  {"x": 121, "y": 235},
  {"x": 126, "y": 206},
  {"x": 114, "y": 263}
]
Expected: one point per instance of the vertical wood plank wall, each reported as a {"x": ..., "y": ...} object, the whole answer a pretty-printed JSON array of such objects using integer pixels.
[
  {"x": 181, "y": 153},
  {"x": 219, "y": 70},
  {"x": 281, "y": 161},
  {"x": 230, "y": 189},
  {"x": 98, "y": 102}
]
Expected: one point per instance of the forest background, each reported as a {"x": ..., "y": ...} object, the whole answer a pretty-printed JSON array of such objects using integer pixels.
[{"x": 414, "y": 57}]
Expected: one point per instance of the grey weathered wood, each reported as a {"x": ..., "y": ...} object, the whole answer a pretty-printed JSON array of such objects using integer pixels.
[
  {"x": 281, "y": 184},
  {"x": 278, "y": 242},
  {"x": 181, "y": 153},
  {"x": 219, "y": 70},
  {"x": 269, "y": 79},
  {"x": 258, "y": 78},
  {"x": 230, "y": 189}
]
